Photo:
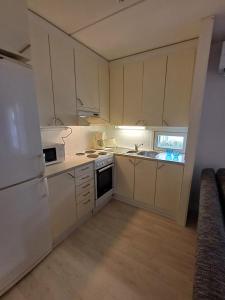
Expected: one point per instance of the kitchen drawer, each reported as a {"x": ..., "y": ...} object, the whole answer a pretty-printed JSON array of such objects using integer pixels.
[
  {"x": 84, "y": 170},
  {"x": 85, "y": 187},
  {"x": 84, "y": 178},
  {"x": 84, "y": 208},
  {"x": 86, "y": 196}
]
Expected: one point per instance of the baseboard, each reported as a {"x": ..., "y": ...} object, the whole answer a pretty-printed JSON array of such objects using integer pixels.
[{"x": 142, "y": 205}]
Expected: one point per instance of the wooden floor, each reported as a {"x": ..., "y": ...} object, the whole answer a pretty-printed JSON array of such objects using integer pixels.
[{"x": 121, "y": 253}]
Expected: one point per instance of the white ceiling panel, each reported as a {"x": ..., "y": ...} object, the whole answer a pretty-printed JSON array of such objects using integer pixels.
[
  {"x": 151, "y": 24},
  {"x": 72, "y": 15},
  {"x": 113, "y": 31}
]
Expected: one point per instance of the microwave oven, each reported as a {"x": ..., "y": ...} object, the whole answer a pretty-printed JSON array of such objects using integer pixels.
[{"x": 54, "y": 153}]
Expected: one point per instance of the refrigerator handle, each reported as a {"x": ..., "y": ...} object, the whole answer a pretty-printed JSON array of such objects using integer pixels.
[
  {"x": 44, "y": 187},
  {"x": 42, "y": 165}
]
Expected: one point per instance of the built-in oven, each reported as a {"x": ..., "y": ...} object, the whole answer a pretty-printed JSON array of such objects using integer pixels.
[{"x": 103, "y": 181}]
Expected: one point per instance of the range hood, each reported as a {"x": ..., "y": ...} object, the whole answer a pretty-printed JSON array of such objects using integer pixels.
[
  {"x": 91, "y": 117},
  {"x": 13, "y": 55}
]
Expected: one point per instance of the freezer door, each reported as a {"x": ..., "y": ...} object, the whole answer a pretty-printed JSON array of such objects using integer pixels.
[
  {"x": 24, "y": 229},
  {"x": 20, "y": 151}
]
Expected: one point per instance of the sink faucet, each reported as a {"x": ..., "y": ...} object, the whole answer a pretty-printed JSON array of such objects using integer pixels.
[{"x": 136, "y": 146}]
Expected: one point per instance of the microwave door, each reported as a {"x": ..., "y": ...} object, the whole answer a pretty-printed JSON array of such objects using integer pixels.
[{"x": 50, "y": 155}]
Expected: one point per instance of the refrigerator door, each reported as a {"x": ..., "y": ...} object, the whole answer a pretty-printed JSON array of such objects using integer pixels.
[
  {"x": 24, "y": 230},
  {"x": 21, "y": 156}
]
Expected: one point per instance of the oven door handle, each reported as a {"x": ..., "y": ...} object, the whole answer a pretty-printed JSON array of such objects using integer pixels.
[{"x": 105, "y": 168}]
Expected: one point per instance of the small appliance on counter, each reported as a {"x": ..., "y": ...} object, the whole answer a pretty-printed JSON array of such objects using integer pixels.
[
  {"x": 53, "y": 153},
  {"x": 101, "y": 141}
]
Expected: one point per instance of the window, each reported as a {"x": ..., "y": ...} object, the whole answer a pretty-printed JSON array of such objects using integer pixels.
[{"x": 170, "y": 140}]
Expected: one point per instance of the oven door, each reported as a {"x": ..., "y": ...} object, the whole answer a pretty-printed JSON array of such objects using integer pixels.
[{"x": 104, "y": 180}]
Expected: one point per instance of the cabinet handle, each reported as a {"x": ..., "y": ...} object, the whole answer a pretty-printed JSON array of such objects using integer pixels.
[
  {"x": 166, "y": 123},
  {"x": 81, "y": 102},
  {"x": 85, "y": 177},
  {"x": 159, "y": 167},
  {"x": 137, "y": 162},
  {"x": 141, "y": 122},
  {"x": 84, "y": 187},
  {"x": 85, "y": 169},
  {"x": 131, "y": 161},
  {"x": 84, "y": 195},
  {"x": 70, "y": 175},
  {"x": 55, "y": 119},
  {"x": 86, "y": 202}
]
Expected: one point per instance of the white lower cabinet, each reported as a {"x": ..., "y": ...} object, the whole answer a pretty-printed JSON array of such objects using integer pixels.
[
  {"x": 168, "y": 188},
  {"x": 124, "y": 176},
  {"x": 71, "y": 199},
  {"x": 62, "y": 202},
  {"x": 149, "y": 184},
  {"x": 145, "y": 180}
]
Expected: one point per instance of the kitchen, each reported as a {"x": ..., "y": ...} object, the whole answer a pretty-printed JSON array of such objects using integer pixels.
[{"x": 100, "y": 145}]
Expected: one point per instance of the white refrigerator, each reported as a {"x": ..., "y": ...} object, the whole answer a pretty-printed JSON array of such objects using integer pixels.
[{"x": 24, "y": 213}]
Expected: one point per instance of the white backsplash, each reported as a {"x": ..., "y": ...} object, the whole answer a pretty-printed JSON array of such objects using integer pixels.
[
  {"x": 79, "y": 140},
  {"x": 81, "y": 137},
  {"x": 127, "y": 138}
]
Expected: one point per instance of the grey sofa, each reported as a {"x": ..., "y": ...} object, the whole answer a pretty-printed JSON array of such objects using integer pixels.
[{"x": 209, "y": 282}]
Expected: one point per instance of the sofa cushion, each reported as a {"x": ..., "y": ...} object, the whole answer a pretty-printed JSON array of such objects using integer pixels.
[
  {"x": 209, "y": 280},
  {"x": 220, "y": 177}
]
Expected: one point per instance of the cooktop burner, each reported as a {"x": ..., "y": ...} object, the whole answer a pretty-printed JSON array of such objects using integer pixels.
[
  {"x": 92, "y": 155},
  {"x": 102, "y": 153},
  {"x": 90, "y": 151}
]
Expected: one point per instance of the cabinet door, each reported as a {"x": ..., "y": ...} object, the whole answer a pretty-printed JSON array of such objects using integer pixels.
[
  {"x": 153, "y": 89},
  {"x": 124, "y": 176},
  {"x": 145, "y": 180},
  {"x": 168, "y": 188},
  {"x": 104, "y": 90},
  {"x": 42, "y": 70},
  {"x": 116, "y": 93},
  {"x": 178, "y": 87},
  {"x": 87, "y": 76},
  {"x": 62, "y": 203},
  {"x": 133, "y": 78},
  {"x": 63, "y": 77}
]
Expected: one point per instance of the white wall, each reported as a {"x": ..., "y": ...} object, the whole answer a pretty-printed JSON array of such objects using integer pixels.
[
  {"x": 211, "y": 142},
  {"x": 79, "y": 140}
]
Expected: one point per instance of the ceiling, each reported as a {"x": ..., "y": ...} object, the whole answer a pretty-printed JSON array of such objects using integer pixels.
[{"x": 115, "y": 28}]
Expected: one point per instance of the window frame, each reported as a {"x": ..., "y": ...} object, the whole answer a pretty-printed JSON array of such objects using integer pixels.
[{"x": 167, "y": 133}]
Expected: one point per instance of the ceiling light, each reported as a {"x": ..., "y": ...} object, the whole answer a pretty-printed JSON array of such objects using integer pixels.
[{"x": 131, "y": 127}]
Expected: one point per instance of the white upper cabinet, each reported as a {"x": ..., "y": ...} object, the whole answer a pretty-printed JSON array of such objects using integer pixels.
[
  {"x": 133, "y": 78},
  {"x": 63, "y": 78},
  {"x": 40, "y": 57},
  {"x": 178, "y": 87},
  {"x": 14, "y": 29},
  {"x": 116, "y": 93},
  {"x": 104, "y": 89},
  {"x": 153, "y": 89},
  {"x": 87, "y": 79}
]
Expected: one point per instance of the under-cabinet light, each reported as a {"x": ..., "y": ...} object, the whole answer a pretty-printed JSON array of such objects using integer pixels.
[{"x": 131, "y": 127}]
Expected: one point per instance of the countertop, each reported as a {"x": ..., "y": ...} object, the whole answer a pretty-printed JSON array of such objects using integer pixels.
[
  {"x": 68, "y": 164},
  {"x": 162, "y": 156},
  {"x": 77, "y": 161}
]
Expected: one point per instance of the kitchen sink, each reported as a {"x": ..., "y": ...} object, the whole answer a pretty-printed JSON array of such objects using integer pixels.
[{"x": 151, "y": 154}]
